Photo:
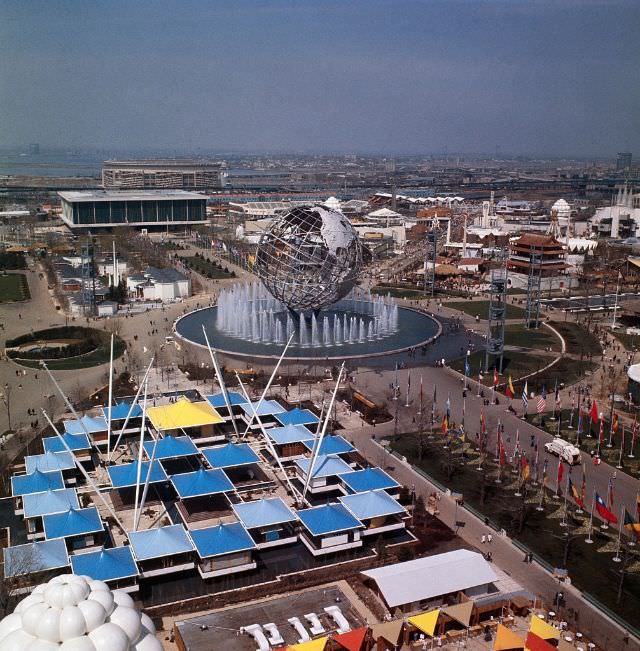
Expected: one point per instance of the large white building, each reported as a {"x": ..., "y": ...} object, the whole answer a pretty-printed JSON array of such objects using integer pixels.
[
  {"x": 159, "y": 285},
  {"x": 169, "y": 173},
  {"x": 621, "y": 219}
]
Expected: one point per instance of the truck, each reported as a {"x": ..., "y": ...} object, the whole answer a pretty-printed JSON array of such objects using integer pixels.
[{"x": 563, "y": 449}]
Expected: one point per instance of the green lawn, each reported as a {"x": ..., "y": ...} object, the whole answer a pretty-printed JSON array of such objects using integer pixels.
[
  {"x": 578, "y": 339},
  {"x": 630, "y": 342},
  {"x": 14, "y": 287},
  {"x": 481, "y": 309},
  {"x": 94, "y": 358},
  {"x": 520, "y": 335}
]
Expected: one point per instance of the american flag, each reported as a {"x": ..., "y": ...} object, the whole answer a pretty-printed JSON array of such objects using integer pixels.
[
  {"x": 542, "y": 401},
  {"x": 525, "y": 398}
]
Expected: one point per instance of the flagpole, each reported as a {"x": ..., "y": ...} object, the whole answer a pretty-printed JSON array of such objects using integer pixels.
[
  {"x": 633, "y": 439},
  {"x": 589, "y": 541},
  {"x": 564, "y": 514},
  {"x": 406, "y": 404},
  {"x": 555, "y": 398},
  {"x": 610, "y": 443},
  {"x": 619, "y": 466},
  {"x": 540, "y": 506},
  {"x": 421, "y": 398},
  {"x": 616, "y": 558},
  {"x": 631, "y": 542},
  {"x": 582, "y": 484},
  {"x": 615, "y": 307}
]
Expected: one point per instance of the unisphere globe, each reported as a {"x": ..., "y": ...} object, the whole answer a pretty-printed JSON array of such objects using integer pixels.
[{"x": 309, "y": 257}]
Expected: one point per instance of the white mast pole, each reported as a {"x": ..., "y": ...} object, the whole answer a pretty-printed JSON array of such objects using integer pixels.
[
  {"x": 266, "y": 389},
  {"x": 133, "y": 404},
  {"x": 318, "y": 441},
  {"x": 223, "y": 386},
  {"x": 146, "y": 484},
  {"x": 615, "y": 307},
  {"x": 84, "y": 473},
  {"x": 110, "y": 399},
  {"x": 139, "y": 468},
  {"x": 66, "y": 400},
  {"x": 270, "y": 446}
]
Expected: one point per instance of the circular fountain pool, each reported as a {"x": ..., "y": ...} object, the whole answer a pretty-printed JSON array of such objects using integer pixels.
[{"x": 249, "y": 322}]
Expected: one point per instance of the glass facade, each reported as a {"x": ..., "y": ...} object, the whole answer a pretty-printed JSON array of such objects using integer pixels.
[{"x": 88, "y": 213}]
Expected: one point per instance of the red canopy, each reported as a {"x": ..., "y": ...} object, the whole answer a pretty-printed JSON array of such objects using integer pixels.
[
  {"x": 352, "y": 641},
  {"x": 535, "y": 643}
]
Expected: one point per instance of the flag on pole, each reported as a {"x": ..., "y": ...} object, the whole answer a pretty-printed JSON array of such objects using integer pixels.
[
  {"x": 594, "y": 412},
  {"x": 604, "y": 512},
  {"x": 583, "y": 487},
  {"x": 501, "y": 455},
  {"x": 467, "y": 367},
  {"x": 445, "y": 424},
  {"x": 483, "y": 423},
  {"x": 630, "y": 524},
  {"x": 557, "y": 397},
  {"x": 525, "y": 472},
  {"x": 615, "y": 423},
  {"x": 576, "y": 496},
  {"x": 542, "y": 401},
  {"x": 601, "y": 432},
  {"x": 516, "y": 451},
  {"x": 496, "y": 377},
  {"x": 560, "y": 472},
  {"x": 610, "y": 492},
  {"x": 421, "y": 393},
  {"x": 448, "y": 405},
  {"x": 536, "y": 462},
  {"x": 509, "y": 392},
  {"x": 525, "y": 397},
  {"x": 544, "y": 472}
]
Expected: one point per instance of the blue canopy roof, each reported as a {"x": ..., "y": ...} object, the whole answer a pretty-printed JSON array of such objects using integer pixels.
[
  {"x": 74, "y": 522},
  {"x": 201, "y": 482},
  {"x": 368, "y": 479},
  {"x": 289, "y": 434},
  {"x": 73, "y": 441},
  {"x": 127, "y": 474},
  {"x": 163, "y": 541},
  {"x": 120, "y": 411},
  {"x": 230, "y": 455},
  {"x": 330, "y": 518},
  {"x": 217, "y": 400},
  {"x": 331, "y": 445},
  {"x": 371, "y": 504},
  {"x": 325, "y": 466},
  {"x": 35, "y": 557},
  {"x": 263, "y": 513},
  {"x": 36, "y": 482},
  {"x": 298, "y": 416},
  {"x": 91, "y": 424},
  {"x": 105, "y": 564},
  {"x": 221, "y": 539},
  {"x": 49, "y": 461},
  {"x": 262, "y": 408},
  {"x": 58, "y": 501},
  {"x": 171, "y": 447}
]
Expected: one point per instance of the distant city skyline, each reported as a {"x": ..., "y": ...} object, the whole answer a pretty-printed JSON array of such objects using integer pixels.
[{"x": 536, "y": 78}]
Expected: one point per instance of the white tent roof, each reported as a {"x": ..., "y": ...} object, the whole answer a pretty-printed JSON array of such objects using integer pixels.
[
  {"x": 426, "y": 578},
  {"x": 385, "y": 212}
]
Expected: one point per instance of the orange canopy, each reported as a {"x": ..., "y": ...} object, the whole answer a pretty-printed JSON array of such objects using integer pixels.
[
  {"x": 507, "y": 640},
  {"x": 352, "y": 641}
]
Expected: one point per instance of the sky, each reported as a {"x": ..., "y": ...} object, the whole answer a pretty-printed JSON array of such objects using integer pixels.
[{"x": 530, "y": 77}]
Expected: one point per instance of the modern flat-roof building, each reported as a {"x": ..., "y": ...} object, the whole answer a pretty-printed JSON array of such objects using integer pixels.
[
  {"x": 170, "y": 173},
  {"x": 99, "y": 209}
]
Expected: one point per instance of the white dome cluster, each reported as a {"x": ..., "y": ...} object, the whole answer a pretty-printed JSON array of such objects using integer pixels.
[{"x": 76, "y": 613}]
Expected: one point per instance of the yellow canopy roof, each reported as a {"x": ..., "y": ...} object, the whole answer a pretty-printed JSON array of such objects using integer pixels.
[
  {"x": 460, "y": 612},
  {"x": 426, "y": 622},
  {"x": 507, "y": 640},
  {"x": 183, "y": 413},
  {"x": 540, "y": 628},
  {"x": 311, "y": 645}
]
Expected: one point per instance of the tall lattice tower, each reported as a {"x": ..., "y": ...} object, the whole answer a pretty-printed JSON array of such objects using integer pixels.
[
  {"x": 430, "y": 255},
  {"x": 534, "y": 282},
  {"x": 497, "y": 314}
]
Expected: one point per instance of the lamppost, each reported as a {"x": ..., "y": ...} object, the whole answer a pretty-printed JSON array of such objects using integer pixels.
[{"x": 6, "y": 399}]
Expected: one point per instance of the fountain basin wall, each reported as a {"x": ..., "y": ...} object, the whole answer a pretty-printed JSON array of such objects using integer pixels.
[{"x": 413, "y": 329}]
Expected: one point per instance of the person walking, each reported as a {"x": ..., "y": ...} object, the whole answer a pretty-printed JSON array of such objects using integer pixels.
[
  {"x": 489, "y": 538},
  {"x": 483, "y": 539}
]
